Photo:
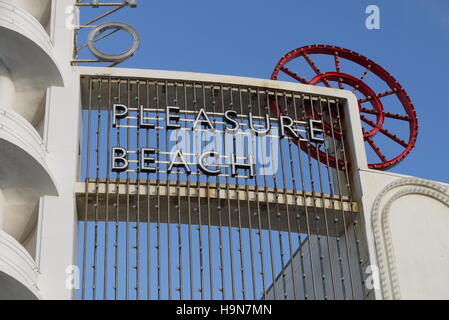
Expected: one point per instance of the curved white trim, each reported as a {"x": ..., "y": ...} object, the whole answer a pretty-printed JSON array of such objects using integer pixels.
[
  {"x": 39, "y": 9},
  {"x": 24, "y": 24},
  {"x": 21, "y": 129},
  {"x": 19, "y": 132},
  {"x": 17, "y": 263},
  {"x": 382, "y": 233},
  {"x": 19, "y": 20}
]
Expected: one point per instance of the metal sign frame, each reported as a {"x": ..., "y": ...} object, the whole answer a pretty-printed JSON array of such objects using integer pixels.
[
  {"x": 102, "y": 31},
  {"x": 241, "y": 239}
]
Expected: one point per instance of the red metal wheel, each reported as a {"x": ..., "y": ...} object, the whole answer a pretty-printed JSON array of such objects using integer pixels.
[{"x": 367, "y": 95}]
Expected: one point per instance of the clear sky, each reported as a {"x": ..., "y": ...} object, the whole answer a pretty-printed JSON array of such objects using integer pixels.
[{"x": 247, "y": 38}]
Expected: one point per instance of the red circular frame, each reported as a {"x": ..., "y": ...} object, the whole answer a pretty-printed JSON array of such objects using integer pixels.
[{"x": 361, "y": 86}]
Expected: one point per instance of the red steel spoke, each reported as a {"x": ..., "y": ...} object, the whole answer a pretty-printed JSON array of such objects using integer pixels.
[
  {"x": 315, "y": 68},
  {"x": 396, "y": 116},
  {"x": 387, "y": 93},
  {"x": 386, "y": 114},
  {"x": 338, "y": 69},
  {"x": 337, "y": 62},
  {"x": 376, "y": 149},
  {"x": 365, "y": 72},
  {"x": 370, "y": 111},
  {"x": 380, "y": 95},
  {"x": 340, "y": 84},
  {"x": 293, "y": 75},
  {"x": 385, "y": 132},
  {"x": 362, "y": 77}
]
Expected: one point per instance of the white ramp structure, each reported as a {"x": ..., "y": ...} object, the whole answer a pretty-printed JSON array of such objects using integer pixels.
[{"x": 145, "y": 184}]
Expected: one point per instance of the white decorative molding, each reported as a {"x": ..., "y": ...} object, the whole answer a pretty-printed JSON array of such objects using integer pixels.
[
  {"x": 24, "y": 175},
  {"x": 17, "y": 127},
  {"x": 17, "y": 131},
  {"x": 29, "y": 58},
  {"x": 381, "y": 228},
  {"x": 17, "y": 263},
  {"x": 18, "y": 19},
  {"x": 39, "y": 9}
]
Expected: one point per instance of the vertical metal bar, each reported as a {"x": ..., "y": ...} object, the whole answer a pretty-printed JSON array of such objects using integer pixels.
[
  {"x": 306, "y": 211},
  {"x": 217, "y": 186},
  {"x": 168, "y": 184},
  {"x": 267, "y": 203},
  {"x": 148, "y": 176},
  {"x": 197, "y": 209},
  {"x": 158, "y": 201},
  {"x": 137, "y": 197},
  {"x": 284, "y": 182},
  {"x": 209, "y": 245},
  {"x": 259, "y": 231},
  {"x": 295, "y": 194},
  {"x": 86, "y": 185},
  {"x": 97, "y": 174},
  {"x": 75, "y": 44},
  {"x": 278, "y": 213},
  {"x": 178, "y": 208},
  {"x": 228, "y": 194},
  {"x": 108, "y": 181},
  {"x": 238, "y": 210},
  {"x": 250, "y": 230},
  {"x": 128, "y": 144},
  {"x": 117, "y": 206},
  {"x": 189, "y": 206}
]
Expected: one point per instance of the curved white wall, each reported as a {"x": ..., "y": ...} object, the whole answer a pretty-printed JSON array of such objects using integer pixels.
[
  {"x": 27, "y": 69},
  {"x": 18, "y": 271},
  {"x": 40, "y": 9},
  {"x": 7, "y": 87},
  {"x": 407, "y": 222},
  {"x": 29, "y": 61},
  {"x": 419, "y": 227}
]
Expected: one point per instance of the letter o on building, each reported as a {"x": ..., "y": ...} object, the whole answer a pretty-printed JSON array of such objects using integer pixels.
[{"x": 113, "y": 57}]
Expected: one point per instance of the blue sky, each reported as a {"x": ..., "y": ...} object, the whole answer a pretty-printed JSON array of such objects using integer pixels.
[{"x": 247, "y": 38}]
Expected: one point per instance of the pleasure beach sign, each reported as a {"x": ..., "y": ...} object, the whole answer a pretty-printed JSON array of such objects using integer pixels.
[{"x": 203, "y": 128}]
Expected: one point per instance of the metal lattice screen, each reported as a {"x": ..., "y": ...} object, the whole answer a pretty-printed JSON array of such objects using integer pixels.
[{"x": 283, "y": 228}]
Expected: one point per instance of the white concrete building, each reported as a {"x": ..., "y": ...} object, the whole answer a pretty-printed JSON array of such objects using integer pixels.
[{"x": 48, "y": 110}]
